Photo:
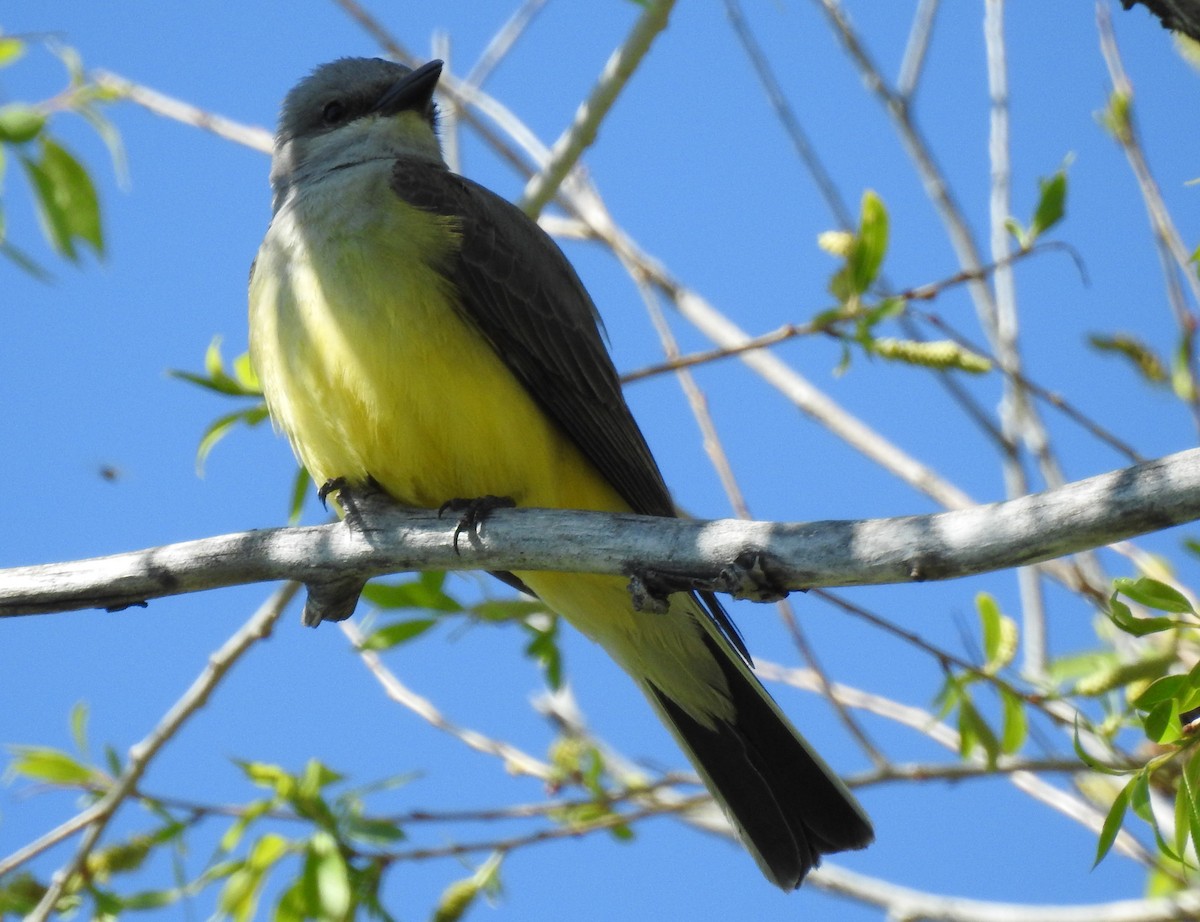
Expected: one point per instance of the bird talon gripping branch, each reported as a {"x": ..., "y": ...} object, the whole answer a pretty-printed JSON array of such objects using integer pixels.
[
  {"x": 472, "y": 512},
  {"x": 748, "y": 578}
]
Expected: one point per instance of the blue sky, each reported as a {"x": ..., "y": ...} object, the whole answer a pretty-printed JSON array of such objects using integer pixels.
[{"x": 693, "y": 164}]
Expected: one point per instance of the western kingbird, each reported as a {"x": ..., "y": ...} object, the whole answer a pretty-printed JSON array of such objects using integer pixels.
[{"x": 412, "y": 328}]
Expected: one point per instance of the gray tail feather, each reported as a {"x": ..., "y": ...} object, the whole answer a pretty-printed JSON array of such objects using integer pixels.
[{"x": 786, "y": 803}]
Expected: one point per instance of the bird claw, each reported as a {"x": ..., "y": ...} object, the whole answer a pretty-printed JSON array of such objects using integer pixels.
[
  {"x": 748, "y": 577},
  {"x": 472, "y": 512},
  {"x": 332, "y": 485},
  {"x": 355, "y": 499},
  {"x": 745, "y": 578}
]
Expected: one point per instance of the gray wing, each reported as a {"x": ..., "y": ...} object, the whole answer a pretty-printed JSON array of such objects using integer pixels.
[{"x": 518, "y": 289}]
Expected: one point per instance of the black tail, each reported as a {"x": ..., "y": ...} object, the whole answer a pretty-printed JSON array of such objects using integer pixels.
[{"x": 783, "y": 799}]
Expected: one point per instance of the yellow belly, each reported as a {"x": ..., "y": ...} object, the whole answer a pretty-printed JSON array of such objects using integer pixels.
[{"x": 371, "y": 373}]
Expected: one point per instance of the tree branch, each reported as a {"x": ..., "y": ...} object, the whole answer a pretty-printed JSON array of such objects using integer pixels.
[
  {"x": 745, "y": 559},
  {"x": 913, "y": 905}
]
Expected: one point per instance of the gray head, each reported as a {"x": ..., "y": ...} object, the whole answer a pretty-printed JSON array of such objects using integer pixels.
[{"x": 350, "y": 111}]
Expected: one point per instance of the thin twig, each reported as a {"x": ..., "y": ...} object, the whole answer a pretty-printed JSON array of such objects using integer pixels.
[
  {"x": 696, "y": 401},
  {"x": 1175, "y": 257},
  {"x": 591, "y": 112},
  {"x": 97, "y": 816},
  {"x": 167, "y": 106},
  {"x": 787, "y": 117},
  {"x": 566, "y": 831},
  {"x": 787, "y": 614},
  {"x": 515, "y": 760},
  {"x": 919, "y": 36},
  {"x": 1016, "y": 420},
  {"x": 909, "y": 905},
  {"x": 923, "y": 722},
  {"x": 503, "y": 42}
]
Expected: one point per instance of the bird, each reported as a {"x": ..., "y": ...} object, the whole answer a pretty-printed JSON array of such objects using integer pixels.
[{"x": 416, "y": 333}]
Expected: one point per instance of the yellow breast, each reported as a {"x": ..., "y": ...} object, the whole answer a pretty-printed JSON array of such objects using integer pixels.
[{"x": 370, "y": 370}]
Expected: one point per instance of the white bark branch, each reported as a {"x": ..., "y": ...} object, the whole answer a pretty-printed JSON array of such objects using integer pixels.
[
  {"x": 917, "y": 906},
  {"x": 732, "y": 556}
]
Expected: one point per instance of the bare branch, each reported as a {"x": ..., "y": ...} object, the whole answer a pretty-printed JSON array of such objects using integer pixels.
[
  {"x": 251, "y": 136},
  {"x": 575, "y": 140},
  {"x": 725, "y": 555},
  {"x": 915, "y": 905},
  {"x": 515, "y": 760},
  {"x": 96, "y": 817}
]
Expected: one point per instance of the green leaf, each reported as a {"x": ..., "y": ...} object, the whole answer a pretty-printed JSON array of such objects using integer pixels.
[
  {"x": 316, "y": 777},
  {"x": 1019, "y": 234},
  {"x": 266, "y": 775},
  {"x": 1086, "y": 758},
  {"x": 872, "y": 240},
  {"x": 1080, "y": 665},
  {"x": 1143, "y": 808},
  {"x": 330, "y": 875},
  {"x": 19, "y": 123},
  {"x": 1144, "y": 359},
  {"x": 1116, "y": 118},
  {"x": 1051, "y": 206},
  {"x": 999, "y": 634},
  {"x": 455, "y": 900},
  {"x": 151, "y": 899},
  {"x": 68, "y": 207},
  {"x": 300, "y": 484},
  {"x": 269, "y": 849},
  {"x": 425, "y": 592},
  {"x": 50, "y": 765},
  {"x": 373, "y": 832},
  {"x": 1153, "y": 594},
  {"x": 1189, "y": 790},
  {"x": 1112, "y": 823},
  {"x": 1161, "y": 690},
  {"x": 1182, "y": 382},
  {"x": 79, "y": 721},
  {"x": 233, "y": 835},
  {"x": 242, "y": 383},
  {"x": 245, "y": 375},
  {"x": 1121, "y": 615},
  {"x": 11, "y": 49},
  {"x": 866, "y": 252},
  {"x": 396, "y": 633},
  {"x": 886, "y": 309},
  {"x": 23, "y": 261},
  {"x": 121, "y": 857},
  {"x": 1187, "y": 807},
  {"x": 222, "y": 426},
  {"x": 503, "y": 611},
  {"x": 1116, "y": 674},
  {"x": 543, "y": 647},
  {"x": 1015, "y": 726},
  {"x": 1162, "y": 722},
  {"x": 974, "y": 730}
]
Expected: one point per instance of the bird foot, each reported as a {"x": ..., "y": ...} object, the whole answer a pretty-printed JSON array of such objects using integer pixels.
[
  {"x": 472, "y": 512},
  {"x": 745, "y": 578},
  {"x": 356, "y": 500}
]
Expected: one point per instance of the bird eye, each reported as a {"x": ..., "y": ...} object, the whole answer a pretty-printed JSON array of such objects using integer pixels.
[{"x": 333, "y": 112}]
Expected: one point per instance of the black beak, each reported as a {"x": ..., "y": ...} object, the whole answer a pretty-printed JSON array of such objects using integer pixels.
[{"x": 413, "y": 91}]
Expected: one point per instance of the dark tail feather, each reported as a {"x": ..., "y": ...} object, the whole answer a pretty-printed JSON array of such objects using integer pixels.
[{"x": 784, "y": 800}]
